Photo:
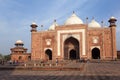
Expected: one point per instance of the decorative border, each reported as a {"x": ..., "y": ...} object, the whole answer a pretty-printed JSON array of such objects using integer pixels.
[{"x": 71, "y": 31}]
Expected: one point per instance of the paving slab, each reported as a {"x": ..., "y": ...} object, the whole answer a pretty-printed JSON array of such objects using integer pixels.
[{"x": 91, "y": 71}]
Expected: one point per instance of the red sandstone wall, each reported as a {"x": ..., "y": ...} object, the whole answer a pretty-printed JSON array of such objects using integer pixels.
[
  {"x": 39, "y": 45},
  {"x": 24, "y": 57}
]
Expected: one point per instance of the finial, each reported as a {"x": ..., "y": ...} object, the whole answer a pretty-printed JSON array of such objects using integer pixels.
[
  {"x": 102, "y": 23},
  {"x": 86, "y": 20},
  {"x": 41, "y": 25},
  {"x": 54, "y": 20},
  {"x": 73, "y": 12},
  {"x": 93, "y": 18}
]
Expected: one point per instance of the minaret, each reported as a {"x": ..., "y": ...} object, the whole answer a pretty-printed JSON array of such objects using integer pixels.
[
  {"x": 33, "y": 26},
  {"x": 112, "y": 22},
  {"x": 33, "y": 37}
]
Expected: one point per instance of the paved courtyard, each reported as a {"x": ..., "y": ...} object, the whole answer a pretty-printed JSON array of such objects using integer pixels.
[{"x": 91, "y": 71}]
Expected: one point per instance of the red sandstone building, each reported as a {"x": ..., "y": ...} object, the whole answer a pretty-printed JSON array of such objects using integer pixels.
[
  {"x": 19, "y": 53},
  {"x": 74, "y": 40}
]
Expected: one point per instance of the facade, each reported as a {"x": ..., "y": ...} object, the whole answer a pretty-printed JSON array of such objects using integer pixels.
[
  {"x": 19, "y": 53},
  {"x": 74, "y": 40}
]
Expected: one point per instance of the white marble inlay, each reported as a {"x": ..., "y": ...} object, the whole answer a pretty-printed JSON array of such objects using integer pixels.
[{"x": 76, "y": 36}]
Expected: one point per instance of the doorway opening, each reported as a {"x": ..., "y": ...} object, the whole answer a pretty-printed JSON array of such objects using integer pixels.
[
  {"x": 72, "y": 54},
  {"x": 48, "y": 53},
  {"x": 95, "y": 53}
]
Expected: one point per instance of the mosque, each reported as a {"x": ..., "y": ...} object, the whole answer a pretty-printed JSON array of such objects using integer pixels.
[{"x": 74, "y": 40}]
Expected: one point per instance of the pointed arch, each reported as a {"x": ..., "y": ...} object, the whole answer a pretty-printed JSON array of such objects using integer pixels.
[
  {"x": 48, "y": 53},
  {"x": 71, "y": 48}
]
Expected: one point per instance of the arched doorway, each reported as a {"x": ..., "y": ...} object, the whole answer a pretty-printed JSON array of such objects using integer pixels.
[
  {"x": 71, "y": 48},
  {"x": 95, "y": 53},
  {"x": 72, "y": 54},
  {"x": 48, "y": 53}
]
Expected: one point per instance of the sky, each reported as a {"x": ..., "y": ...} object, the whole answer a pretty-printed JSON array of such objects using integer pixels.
[{"x": 16, "y": 17}]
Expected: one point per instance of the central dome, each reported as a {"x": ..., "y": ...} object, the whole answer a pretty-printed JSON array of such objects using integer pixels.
[{"x": 73, "y": 19}]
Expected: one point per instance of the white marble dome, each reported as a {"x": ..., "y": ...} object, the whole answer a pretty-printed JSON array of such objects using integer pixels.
[
  {"x": 52, "y": 27},
  {"x": 94, "y": 24},
  {"x": 19, "y": 42},
  {"x": 73, "y": 19},
  {"x": 33, "y": 23},
  {"x": 112, "y": 17}
]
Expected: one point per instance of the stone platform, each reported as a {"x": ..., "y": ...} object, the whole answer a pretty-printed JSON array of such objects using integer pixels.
[
  {"x": 92, "y": 71},
  {"x": 36, "y": 66}
]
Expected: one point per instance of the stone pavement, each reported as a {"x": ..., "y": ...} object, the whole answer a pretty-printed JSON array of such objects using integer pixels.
[{"x": 91, "y": 71}]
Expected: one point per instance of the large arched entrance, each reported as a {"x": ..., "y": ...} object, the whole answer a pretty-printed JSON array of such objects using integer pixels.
[
  {"x": 48, "y": 53},
  {"x": 71, "y": 48},
  {"x": 95, "y": 53}
]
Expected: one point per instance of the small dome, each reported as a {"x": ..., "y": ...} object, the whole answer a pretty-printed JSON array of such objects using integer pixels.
[
  {"x": 19, "y": 42},
  {"x": 74, "y": 19},
  {"x": 94, "y": 24},
  {"x": 52, "y": 27},
  {"x": 33, "y": 23},
  {"x": 112, "y": 17}
]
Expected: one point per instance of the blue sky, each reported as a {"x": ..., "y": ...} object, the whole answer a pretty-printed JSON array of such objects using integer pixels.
[{"x": 16, "y": 17}]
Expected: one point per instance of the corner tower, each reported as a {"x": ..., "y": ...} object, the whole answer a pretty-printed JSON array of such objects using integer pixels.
[
  {"x": 34, "y": 37},
  {"x": 112, "y": 26}
]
